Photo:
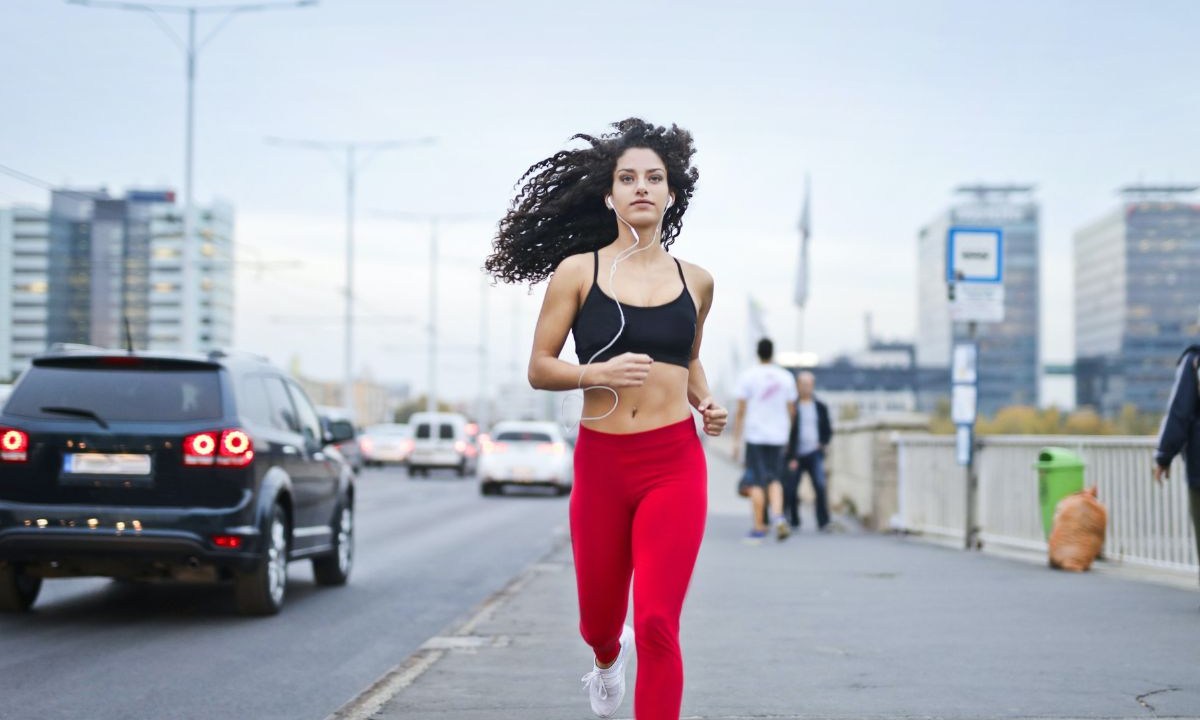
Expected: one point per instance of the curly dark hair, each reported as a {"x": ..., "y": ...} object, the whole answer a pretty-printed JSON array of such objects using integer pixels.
[{"x": 560, "y": 209}]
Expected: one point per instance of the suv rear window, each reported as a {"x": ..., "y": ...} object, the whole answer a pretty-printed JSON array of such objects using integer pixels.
[
  {"x": 523, "y": 436},
  {"x": 119, "y": 393},
  {"x": 423, "y": 431},
  {"x": 446, "y": 432}
]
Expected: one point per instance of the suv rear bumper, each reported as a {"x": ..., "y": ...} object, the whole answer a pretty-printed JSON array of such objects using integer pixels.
[{"x": 80, "y": 540}]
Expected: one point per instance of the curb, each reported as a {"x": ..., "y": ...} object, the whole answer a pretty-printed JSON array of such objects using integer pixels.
[{"x": 457, "y": 635}]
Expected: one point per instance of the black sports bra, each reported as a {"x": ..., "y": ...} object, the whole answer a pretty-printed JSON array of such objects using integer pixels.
[{"x": 664, "y": 332}]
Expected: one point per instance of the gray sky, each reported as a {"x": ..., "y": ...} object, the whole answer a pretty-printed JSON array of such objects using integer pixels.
[{"x": 888, "y": 105}]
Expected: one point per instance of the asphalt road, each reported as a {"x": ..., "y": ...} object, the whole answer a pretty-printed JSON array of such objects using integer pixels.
[{"x": 427, "y": 551}]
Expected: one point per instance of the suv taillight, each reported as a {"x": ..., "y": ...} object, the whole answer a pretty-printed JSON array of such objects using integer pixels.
[
  {"x": 227, "y": 448},
  {"x": 14, "y": 445}
]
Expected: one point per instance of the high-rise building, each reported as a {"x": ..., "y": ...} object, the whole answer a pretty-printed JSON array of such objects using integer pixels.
[
  {"x": 1008, "y": 356},
  {"x": 1137, "y": 298},
  {"x": 94, "y": 265},
  {"x": 24, "y": 237}
]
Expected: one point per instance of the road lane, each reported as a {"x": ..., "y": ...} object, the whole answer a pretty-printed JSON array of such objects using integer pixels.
[{"x": 428, "y": 550}]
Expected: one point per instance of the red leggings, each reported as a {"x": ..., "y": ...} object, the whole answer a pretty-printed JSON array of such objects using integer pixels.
[{"x": 638, "y": 510}]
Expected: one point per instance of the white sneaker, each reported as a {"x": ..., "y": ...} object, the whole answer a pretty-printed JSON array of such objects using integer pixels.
[{"x": 607, "y": 686}]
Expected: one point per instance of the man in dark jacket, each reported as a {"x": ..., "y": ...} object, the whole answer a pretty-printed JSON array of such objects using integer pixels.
[
  {"x": 810, "y": 435},
  {"x": 1181, "y": 428}
]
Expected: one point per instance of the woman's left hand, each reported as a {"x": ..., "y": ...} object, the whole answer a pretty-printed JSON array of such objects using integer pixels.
[{"x": 715, "y": 416}]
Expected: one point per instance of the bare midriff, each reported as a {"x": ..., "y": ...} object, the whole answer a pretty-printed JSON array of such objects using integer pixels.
[{"x": 660, "y": 401}]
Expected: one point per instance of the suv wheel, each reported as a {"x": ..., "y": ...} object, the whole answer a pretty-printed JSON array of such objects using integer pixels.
[
  {"x": 334, "y": 569},
  {"x": 18, "y": 589},
  {"x": 489, "y": 488},
  {"x": 261, "y": 591}
]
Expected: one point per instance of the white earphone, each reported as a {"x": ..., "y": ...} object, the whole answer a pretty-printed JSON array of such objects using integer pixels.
[{"x": 612, "y": 278}]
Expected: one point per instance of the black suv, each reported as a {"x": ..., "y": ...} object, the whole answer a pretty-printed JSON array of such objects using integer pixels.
[{"x": 157, "y": 466}]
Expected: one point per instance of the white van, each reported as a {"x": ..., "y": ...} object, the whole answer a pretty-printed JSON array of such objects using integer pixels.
[{"x": 440, "y": 440}]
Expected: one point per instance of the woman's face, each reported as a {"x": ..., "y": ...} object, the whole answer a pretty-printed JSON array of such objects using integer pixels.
[{"x": 639, "y": 188}]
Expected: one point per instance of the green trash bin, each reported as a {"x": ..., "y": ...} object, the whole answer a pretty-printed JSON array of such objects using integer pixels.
[{"x": 1060, "y": 473}]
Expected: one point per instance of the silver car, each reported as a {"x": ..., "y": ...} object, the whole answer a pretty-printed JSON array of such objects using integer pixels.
[{"x": 386, "y": 443}]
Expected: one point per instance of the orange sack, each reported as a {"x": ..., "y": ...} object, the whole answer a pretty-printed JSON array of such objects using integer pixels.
[{"x": 1079, "y": 524}]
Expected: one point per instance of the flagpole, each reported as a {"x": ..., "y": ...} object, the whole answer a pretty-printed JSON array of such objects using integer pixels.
[
  {"x": 800, "y": 329},
  {"x": 802, "y": 270}
]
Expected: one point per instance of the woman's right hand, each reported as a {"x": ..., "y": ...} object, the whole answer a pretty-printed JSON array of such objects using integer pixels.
[{"x": 625, "y": 370}]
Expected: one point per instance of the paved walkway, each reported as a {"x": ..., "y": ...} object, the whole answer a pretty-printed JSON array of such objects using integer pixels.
[{"x": 847, "y": 625}]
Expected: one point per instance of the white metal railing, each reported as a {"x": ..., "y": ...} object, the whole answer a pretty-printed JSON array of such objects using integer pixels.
[
  {"x": 1147, "y": 524},
  {"x": 851, "y": 460}
]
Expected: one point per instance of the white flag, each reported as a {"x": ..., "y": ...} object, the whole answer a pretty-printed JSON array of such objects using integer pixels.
[
  {"x": 756, "y": 325},
  {"x": 801, "y": 296}
]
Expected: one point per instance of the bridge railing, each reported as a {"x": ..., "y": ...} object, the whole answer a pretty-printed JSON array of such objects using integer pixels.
[{"x": 1148, "y": 524}]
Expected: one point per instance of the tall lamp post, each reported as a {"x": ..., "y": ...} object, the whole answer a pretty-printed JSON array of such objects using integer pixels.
[
  {"x": 190, "y": 300},
  {"x": 434, "y": 220},
  {"x": 353, "y": 165}
]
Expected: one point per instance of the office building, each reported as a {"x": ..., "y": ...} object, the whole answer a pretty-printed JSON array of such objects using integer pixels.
[
  {"x": 24, "y": 240},
  {"x": 1008, "y": 350},
  {"x": 92, "y": 265},
  {"x": 1137, "y": 297},
  {"x": 116, "y": 267}
]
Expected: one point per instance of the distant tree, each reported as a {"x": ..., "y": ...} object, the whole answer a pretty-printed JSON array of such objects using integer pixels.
[
  {"x": 416, "y": 405},
  {"x": 1086, "y": 421},
  {"x": 1028, "y": 420},
  {"x": 1132, "y": 422},
  {"x": 849, "y": 412},
  {"x": 1011, "y": 420},
  {"x": 940, "y": 423}
]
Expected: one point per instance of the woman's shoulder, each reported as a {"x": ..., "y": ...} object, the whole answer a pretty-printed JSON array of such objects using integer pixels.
[
  {"x": 695, "y": 274},
  {"x": 573, "y": 266}
]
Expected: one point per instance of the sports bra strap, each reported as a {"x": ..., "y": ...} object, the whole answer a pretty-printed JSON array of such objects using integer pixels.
[
  {"x": 680, "y": 272},
  {"x": 596, "y": 269}
]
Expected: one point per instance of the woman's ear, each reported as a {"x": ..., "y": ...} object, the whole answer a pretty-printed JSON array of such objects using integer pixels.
[{"x": 608, "y": 202}]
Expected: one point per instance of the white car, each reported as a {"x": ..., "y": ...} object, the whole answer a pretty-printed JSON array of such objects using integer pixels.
[
  {"x": 440, "y": 440},
  {"x": 525, "y": 453},
  {"x": 385, "y": 443}
]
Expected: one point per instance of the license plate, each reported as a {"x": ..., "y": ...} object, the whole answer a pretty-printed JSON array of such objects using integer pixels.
[
  {"x": 522, "y": 473},
  {"x": 106, "y": 464}
]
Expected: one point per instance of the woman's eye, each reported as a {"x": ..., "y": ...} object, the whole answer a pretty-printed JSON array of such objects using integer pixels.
[
  {"x": 656, "y": 178},
  {"x": 627, "y": 178}
]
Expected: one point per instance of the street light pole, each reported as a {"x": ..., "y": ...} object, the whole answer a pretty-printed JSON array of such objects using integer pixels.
[
  {"x": 485, "y": 409},
  {"x": 190, "y": 302},
  {"x": 189, "y": 297},
  {"x": 353, "y": 165},
  {"x": 431, "y": 396},
  {"x": 434, "y": 220},
  {"x": 348, "y": 334}
]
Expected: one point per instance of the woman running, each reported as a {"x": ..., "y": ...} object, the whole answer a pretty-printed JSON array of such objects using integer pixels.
[{"x": 599, "y": 221}]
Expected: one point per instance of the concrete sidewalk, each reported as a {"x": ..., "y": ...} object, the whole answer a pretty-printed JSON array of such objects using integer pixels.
[{"x": 844, "y": 625}]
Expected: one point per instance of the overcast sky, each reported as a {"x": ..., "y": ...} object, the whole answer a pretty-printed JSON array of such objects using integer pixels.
[{"x": 887, "y": 105}]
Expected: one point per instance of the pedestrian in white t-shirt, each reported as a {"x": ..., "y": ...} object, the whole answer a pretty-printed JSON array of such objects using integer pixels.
[{"x": 766, "y": 396}]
